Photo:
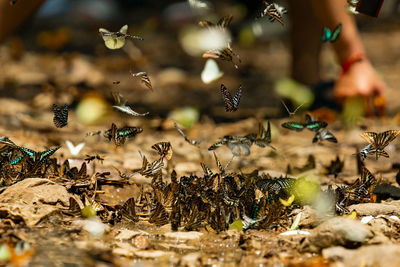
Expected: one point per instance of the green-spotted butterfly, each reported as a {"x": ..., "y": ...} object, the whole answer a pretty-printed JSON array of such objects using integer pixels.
[
  {"x": 310, "y": 124},
  {"x": 331, "y": 36}
]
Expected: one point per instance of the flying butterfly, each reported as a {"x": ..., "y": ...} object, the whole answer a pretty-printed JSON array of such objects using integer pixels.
[
  {"x": 128, "y": 211},
  {"x": 239, "y": 145},
  {"x": 190, "y": 141},
  {"x": 274, "y": 11},
  {"x": 144, "y": 78},
  {"x": 331, "y": 36},
  {"x": 378, "y": 142},
  {"x": 90, "y": 158},
  {"x": 324, "y": 134},
  {"x": 116, "y": 40},
  {"x": 120, "y": 104},
  {"x": 60, "y": 115},
  {"x": 223, "y": 22},
  {"x": 310, "y": 124},
  {"x": 231, "y": 103},
  {"x": 223, "y": 54},
  {"x": 164, "y": 149},
  {"x": 74, "y": 150},
  {"x": 264, "y": 138}
]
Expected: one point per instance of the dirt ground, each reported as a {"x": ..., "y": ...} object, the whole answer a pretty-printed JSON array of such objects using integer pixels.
[{"x": 36, "y": 229}]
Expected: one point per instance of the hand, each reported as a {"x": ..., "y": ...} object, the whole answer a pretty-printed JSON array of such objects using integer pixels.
[{"x": 360, "y": 80}]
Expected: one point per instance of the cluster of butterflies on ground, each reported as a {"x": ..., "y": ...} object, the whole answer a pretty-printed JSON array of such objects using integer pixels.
[{"x": 214, "y": 200}]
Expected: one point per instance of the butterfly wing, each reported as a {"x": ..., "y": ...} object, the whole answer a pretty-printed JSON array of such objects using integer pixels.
[
  {"x": 369, "y": 137},
  {"x": 316, "y": 125},
  {"x": 128, "y": 212},
  {"x": 60, "y": 118},
  {"x": 164, "y": 149},
  {"x": 227, "y": 98},
  {"x": 324, "y": 134},
  {"x": 327, "y": 33},
  {"x": 383, "y": 139},
  {"x": 295, "y": 126},
  {"x": 236, "y": 98},
  {"x": 74, "y": 150},
  {"x": 335, "y": 33},
  {"x": 364, "y": 152},
  {"x": 225, "y": 21}
]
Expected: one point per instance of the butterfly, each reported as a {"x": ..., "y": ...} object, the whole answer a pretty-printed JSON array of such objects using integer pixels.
[
  {"x": 116, "y": 82},
  {"x": 196, "y": 4},
  {"x": 330, "y": 36},
  {"x": 151, "y": 169},
  {"x": 164, "y": 149},
  {"x": 119, "y": 135},
  {"x": 12, "y": 2},
  {"x": 310, "y": 124},
  {"x": 144, "y": 78},
  {"x": 37, "y": 156},
  {"x": 363, "y": 187},
  {"x": 74, "y": 207},
  {"x": 128, "y": 211},
  {"x": 74, "y": 150},
  {"x": 116, "y": 40},
  {"x": 264, "y": 138},
  {"x": 224, "y": 22},
  {"x": 290, "y": 112},
  {"x": 274, "y": 11},
  {"x": 377, "y": 143},
  {"x": 90, "y": 158},
  {"x": 120, "y": 104},
  {"x": 190, "y": 141},
  {"x": 223, "y": 54},
  {"x": 159, "y": 216},
  {"x": 237, "y": 144},
  {"x": 324, "y": 134},
  {"x": 335, "y": 167},
  {"x": 231, "y": 103},
  {"x": 60, "y": 115}
]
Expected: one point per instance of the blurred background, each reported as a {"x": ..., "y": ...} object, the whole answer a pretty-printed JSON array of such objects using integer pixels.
[{"x": 58, "y": 56}]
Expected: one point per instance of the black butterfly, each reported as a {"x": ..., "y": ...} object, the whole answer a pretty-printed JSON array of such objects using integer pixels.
[
  {"x": 324, "y": 134},
  {"x": 264, "y": 138},
  {"x": 128, "y": 212},
  {"x": 310, "y": 124},
  {"x": 164, "y": 149},
  {"x": 60, "y": 115},
  {"x": 378, "y": 142},
  {"x": 231, "y": 104},
  {"x": 335, "y": 167}
]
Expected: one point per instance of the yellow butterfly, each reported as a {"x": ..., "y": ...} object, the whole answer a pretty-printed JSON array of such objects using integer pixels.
[
  {"x": 116, "y": 40},
  {"x": 287, "y": 202}
]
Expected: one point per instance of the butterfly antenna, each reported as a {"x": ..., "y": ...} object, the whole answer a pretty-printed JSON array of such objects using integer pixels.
[{"x": 229, "y": 162}]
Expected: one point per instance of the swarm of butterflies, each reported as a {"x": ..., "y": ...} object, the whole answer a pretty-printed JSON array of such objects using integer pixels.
[{"x": 214, "y": 199}]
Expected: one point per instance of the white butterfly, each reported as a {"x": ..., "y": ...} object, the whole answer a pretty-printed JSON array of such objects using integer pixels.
[
  {"x": 74, "y": 150},
  {"x": 211, "y": 72},
  {"x": 116, "y": 40},
  {"x": 120, "y": 102}
]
